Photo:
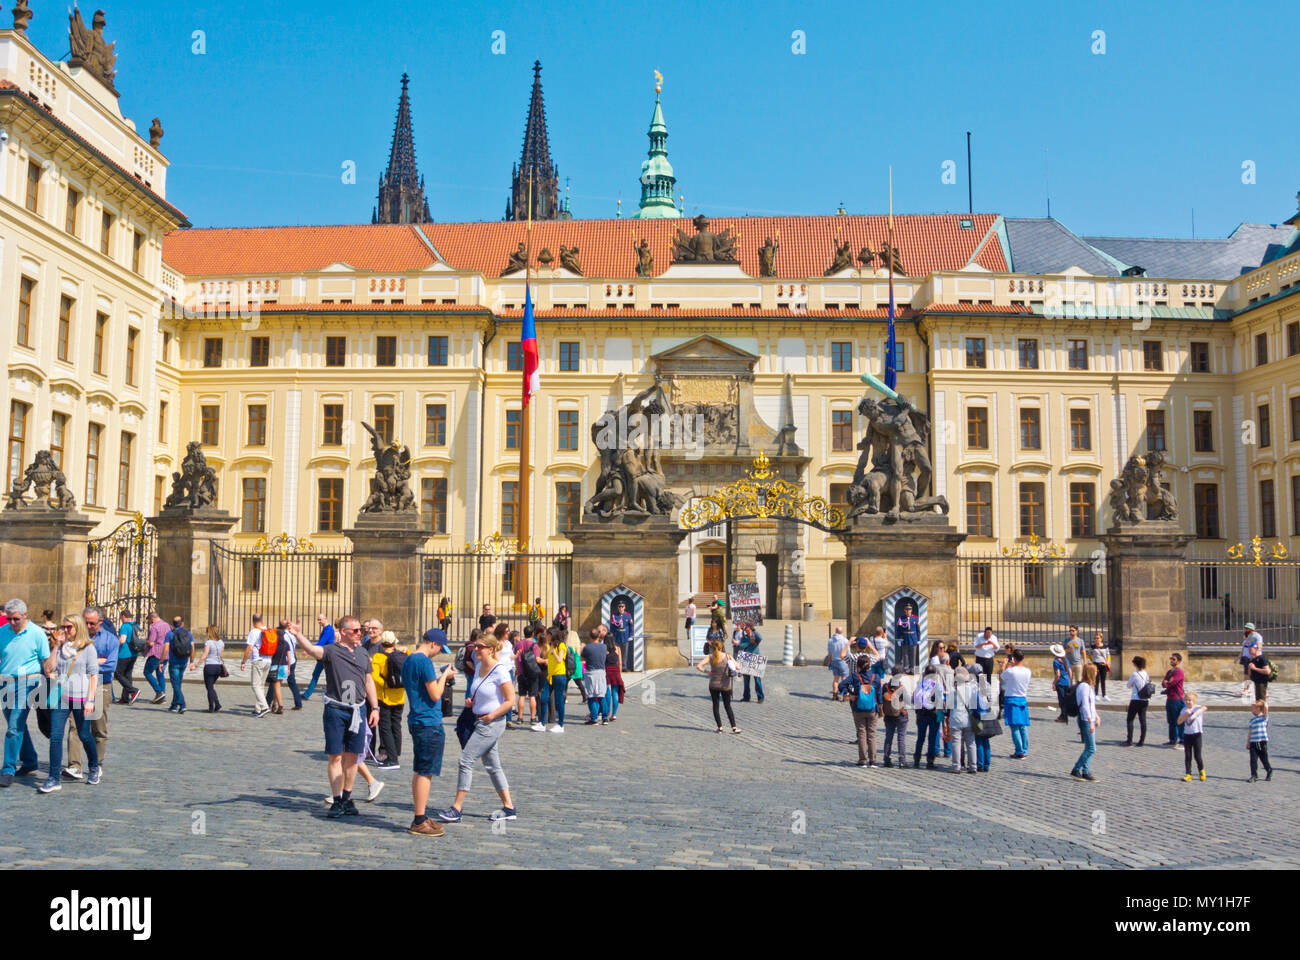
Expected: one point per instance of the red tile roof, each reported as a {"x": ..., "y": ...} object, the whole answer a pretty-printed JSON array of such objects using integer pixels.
[{"x": 927, "y": 242}]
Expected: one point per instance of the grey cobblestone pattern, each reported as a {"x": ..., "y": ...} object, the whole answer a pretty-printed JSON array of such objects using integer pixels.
[{"x": 658, "y": 789}]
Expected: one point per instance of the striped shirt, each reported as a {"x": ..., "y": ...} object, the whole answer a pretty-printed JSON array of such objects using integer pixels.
[{"x": 1259, "y": 729}]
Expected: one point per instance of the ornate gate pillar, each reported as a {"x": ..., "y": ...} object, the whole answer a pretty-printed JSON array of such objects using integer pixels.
[
  {"x": 1148, "y": 592},
  {"x": 188, "y": 525},
  {"x": 386, "y": 570}
]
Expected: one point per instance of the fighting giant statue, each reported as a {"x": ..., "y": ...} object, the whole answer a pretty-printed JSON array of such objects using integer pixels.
[
  {"x": 894, "y": 472},
  {"x": 631, "y": 480}
]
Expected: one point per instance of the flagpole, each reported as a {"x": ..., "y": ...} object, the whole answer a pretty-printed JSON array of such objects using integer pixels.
[
  {"x": 891, "y": 350},
  {"x": 521, "y": 572}
]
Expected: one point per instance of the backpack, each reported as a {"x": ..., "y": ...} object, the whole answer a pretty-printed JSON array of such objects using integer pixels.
[
  {"x": 270, "y": 640},
  {"x": 181, "y": 641},
  {"x": 923, "y": 696},
  {"x": 1072, "y": 700},
  {"x": 393, "y": 675},
  {"x": 866, "y": 698},
  {"x": 570, "y": 661},
  {"x": 894, "y": 702},
  {"x": 139, "y": 642},
  {"x": 530, "y": 667}
]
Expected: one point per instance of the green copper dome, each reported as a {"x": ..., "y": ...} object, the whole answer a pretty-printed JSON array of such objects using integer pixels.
[{"x": 657, "y": 180}]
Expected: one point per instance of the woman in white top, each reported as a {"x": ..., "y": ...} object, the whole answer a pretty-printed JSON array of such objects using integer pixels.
[
  {"x": 73, "y": 675},
  {"x": 211, "y": 653},
  {"x": 1138, "y": 699},
  {"x": 1086, "y": 697},
  {"x": 491, "y": 695},
  {"x": 1192, "y": 718}
]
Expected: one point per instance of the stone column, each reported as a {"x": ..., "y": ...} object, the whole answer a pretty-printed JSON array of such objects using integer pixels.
[
  {"x": 640, "y": 552},
  {"x": 921, "y": 554},
  {"x": 386, "y": 570},
  {"x": 183, "y": 575},
  {"x": 43, "y": 554},
  {"x": 1148, "y": 593}
]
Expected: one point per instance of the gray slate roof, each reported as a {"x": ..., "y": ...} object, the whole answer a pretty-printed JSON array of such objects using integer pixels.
[
  {"x": 1242, "y": 250},
  {"x": 1040, "y": 245}
]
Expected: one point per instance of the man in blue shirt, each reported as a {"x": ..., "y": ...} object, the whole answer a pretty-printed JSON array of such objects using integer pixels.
[
  {"x": 24, "y": 656},
  {"x": 126, "y": 659},
  {"x": 749, "y": 641},
  {"x": 106, "y": 650},
  {"x": 423, "y": 683},
  {"x": 620, "y": 625},
  {"x": 326, "y": 638}
]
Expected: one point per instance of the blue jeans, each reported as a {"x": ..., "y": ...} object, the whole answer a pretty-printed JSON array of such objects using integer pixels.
[
  {"x": 58, "y": 724},
  {"x": 758, "y": 687},
  {"x": 315, "y": 679},
  {"x": 596, "y": 707},
  {"x": 293, "y": 684},
  {"x": 1083, "y": 764},
  {"x": 927, "y": 735},
  {"x": 558, "y": 688},
  {"x": 543, "y": 701},
  {"x": 1172, "y": 709},
  {"x": 153, "y": 674},
  {"x": 938, "y": 734},
  {"x": 16, "y": 697},
  {"x": 982, "y": 753},
  {"x": 176, "y": 673},
  {"x": 1020, "y": 738},
  {"x": 611, "y": 702}
]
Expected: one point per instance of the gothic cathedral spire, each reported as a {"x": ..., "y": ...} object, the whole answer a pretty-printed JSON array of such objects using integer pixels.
[
  {"x": 401, "y": 188},
  {"x": 535, "y": 160}
]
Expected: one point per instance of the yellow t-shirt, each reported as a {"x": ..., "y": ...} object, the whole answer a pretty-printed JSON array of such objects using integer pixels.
[
  {"x": 555, "y": 661},
  {"x": 393, "y": 697}
]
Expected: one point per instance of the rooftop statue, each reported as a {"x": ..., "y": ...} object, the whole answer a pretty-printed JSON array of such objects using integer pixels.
[
  {"x": 767, "y": 258},
  {"x": 569, "y": 259},
  {"x": 706, "y": 246},
  {"x": 89, "y": 48},
  {"x": 866, "y": 257},
  {"x": 22, "y": 16},
  {"x": 889, "y": 255},
  {"x": 842, "y": 259},
  {"x": 518, "y": 260},
  {"x": 645, "y": 260}
]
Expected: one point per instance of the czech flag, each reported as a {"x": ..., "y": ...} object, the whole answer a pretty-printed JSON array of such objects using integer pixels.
[{"x": 528, "y": 348}]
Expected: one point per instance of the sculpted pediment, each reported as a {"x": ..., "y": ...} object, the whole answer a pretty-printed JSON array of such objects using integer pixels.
[{"x": 704, "y": 348}]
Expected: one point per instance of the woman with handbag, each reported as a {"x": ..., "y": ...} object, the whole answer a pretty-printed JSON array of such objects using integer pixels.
[
  {"x": 73, "y": 678},
  {"x": 984, "y": 721},
  {"x": 1139, "y": 685},
  {"x": 720, "y": 668},
  {"x": 491, "y": 697},
  {"x": 213, "y": 667},
  {"x": 965, "y": 706}
]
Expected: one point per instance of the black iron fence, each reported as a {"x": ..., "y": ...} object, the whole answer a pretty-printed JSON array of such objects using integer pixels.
[
  {"x": 121, "y": 570},
  {"x": 1224, "y": 595},
  {"x": 1032, "y": 601},
  {"x": 282, "y": 579},
  {"x": 509, "y": 582}
]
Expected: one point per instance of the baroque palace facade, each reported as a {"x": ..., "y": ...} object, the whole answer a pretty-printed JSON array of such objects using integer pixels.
[{"x": 1045, "y": 359}]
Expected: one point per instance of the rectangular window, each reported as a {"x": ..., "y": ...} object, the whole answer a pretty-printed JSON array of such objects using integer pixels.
[
  {"x": 1295, "y": 504},
  {"x": 568, "y": 505},
  {"x": 433, "y": 504},
  {"x": 159, "y": 490},
  {"x": 1153, "y": 355},
  {"x": 435, "y": 424},
  {"x": 94, "y": 434},
  {"x": 1293, "y": 338},
  {"x": 332, "y": 425},
  {"x": 1028, "y": 354},
  {"x": 1083, "y": 510},
  {"x": 437, "y": 351},
  {"x": 1295, "y": 418},
  {"x": 1156, "y": 430},
  {"x": 1209, "y": 581},
  {"x": 839, "y": 498},
  {"x": 250, "y": 576},
  {"x": 1267, "y": 510},
  {"x": 1080, "y": 429},
  {"x": 842, "y": 357},
  {"x": 900, "y": 354},
  {"x": 981, "y": 580},
  {"x": 976, "y": 356},
  {"x": 64, "y": 341},
  {"x": 568, "y": 430},
  {"x": 70, "y": 212},
  {"x": 1077, "y": 352},
  {"x": 385, "y": 421},
  {"x": 162, "y": 421},
  {"x": 1035, "y": 582},
  {"x": 327, "y": 575},
  {"x": 124, "y": 471},
  {"x": 514, "y": 355},
  {"x": 58, "y": 437},
  {"x": 385, "y": 351},
  {"x": 132, "y": 335},
  {"x": 213, "y": 348},
  {"x": 33, "y": 198},
  {"x": 253, "y": 506},
  {"x": 105, "y": 233},
  {"x": 1205, "y": 497},
  {"x": 509, "y": 508},
  {"x": 336, "y": 351},
  {"x": 979, "y": 508},
  {"x": 1033, "y": 515},
  {"x": 977, "y": 428},
  {"x": 1265, "y": 426},
  {"x": 137, "y": 251},
  {"x": 1031, "y": 428},
  {"x": 26, "y": 292},
  {"x": 841, "y": 430},
  {"x": 167, "y": 347},
  {"x": 1202, "y": 431},
  {"x": 512, "y": 429},
  {"x": 17, "y": 441},
  {"x": 329, "y": 504},
  {"x": 1261, "y": 349},
  {"x": 97, "y": 354},
  {"x": 256, "y": 424},
  {"x": 1200, "y": 356},
  {"x": 570, "y": 356},
  {"x": 210, "y": 425},
  {"x": 1085, "y": 582},
  {"x": 259, "y": 351}
]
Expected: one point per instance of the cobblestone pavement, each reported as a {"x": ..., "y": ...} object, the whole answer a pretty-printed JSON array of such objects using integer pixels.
[{"x": 660, "y": 788}]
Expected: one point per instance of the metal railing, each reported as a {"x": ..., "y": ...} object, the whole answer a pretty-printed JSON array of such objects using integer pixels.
[
  {"x": 1224, "y": 595},
  {"x": 509, "y": 582},
  {"x": 277, "y": 582},
  {"x": 121, "y": 570},
  {"x": 1031, "y": 601}
]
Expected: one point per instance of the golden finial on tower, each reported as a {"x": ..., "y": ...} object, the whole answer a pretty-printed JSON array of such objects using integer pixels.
[{"x": 659, "y": 82}]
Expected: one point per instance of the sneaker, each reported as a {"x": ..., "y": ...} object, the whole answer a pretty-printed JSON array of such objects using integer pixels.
[
  {"x": 862, "y": 763},
  {"x": 557, "y": 729},
  {"x": 135, "y": 695},
  {"x": 335, "y": 810},
  {"x": 761, "y": 699},
  {"x": 603, "y": 721},
  {"x": 735, "y": 729},
  {"x": 450, "y": 815},
  {"x": 96, "y": 776},
  {"x": 970, "y": 769},
  {"x": 159, "y": 699},
  {"x": 1202, "y": 774},
  {"x": 719, "y": 729},
  {"x": 377, "y": 786},
  {"x": 49, "y": 786},
  {"x": 24, "y": 771},
  {"x": 889, "y": 763},
  {"x": 873, "y": 764},
  {"x": 350, "y": 808},
  {"x": 1252, "y": 779},
  {"x": 6, "y": 779},
  {"x": 181, "y": 710},
  {"x": 389, "y": 765},
  {"x": 71, "y": 773},
  {"x": 1076, "y": 774},
  {"x": 1269, "y": 775},
  {"x": 427, "y": 829},
  {"x": 1089, "y": 777},
  {"x": 538, "y": 728},
  {"x": 261, "y": 713},
  {"x": 589, "y": 723},
  {"x": 505, "y": 813},
  {"x": 329, "y": 801},
  {"x": 1187, "y": 779}
]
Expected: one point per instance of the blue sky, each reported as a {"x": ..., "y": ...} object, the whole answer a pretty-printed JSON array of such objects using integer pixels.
[{"x": 1132, "y": 140}]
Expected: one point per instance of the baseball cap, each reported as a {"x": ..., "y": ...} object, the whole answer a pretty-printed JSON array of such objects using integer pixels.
[{"x": 435, "y": 635}]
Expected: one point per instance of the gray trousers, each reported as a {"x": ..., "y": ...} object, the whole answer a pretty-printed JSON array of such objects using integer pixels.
[
  {"x": 483, "y": 743},
  {"x": 963, "y": 748}
]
